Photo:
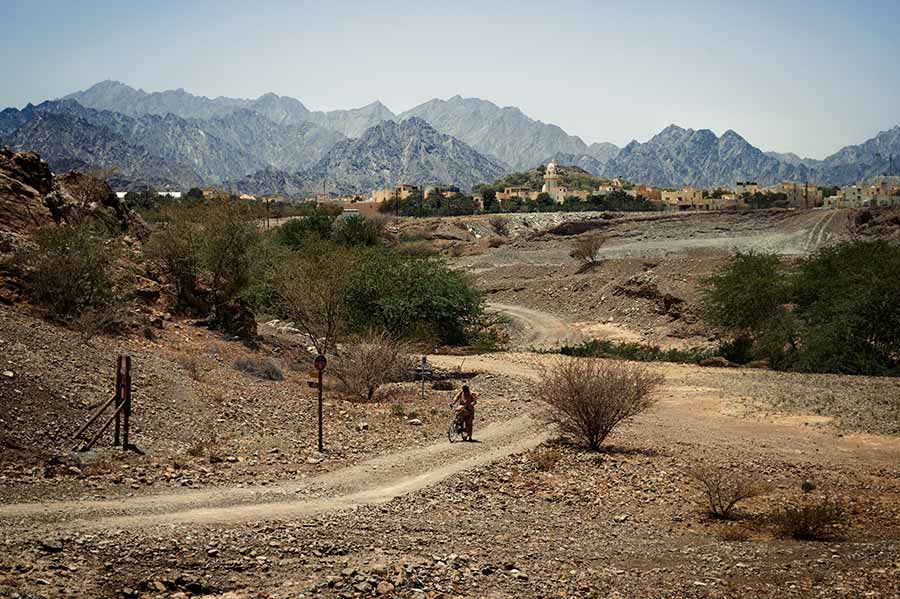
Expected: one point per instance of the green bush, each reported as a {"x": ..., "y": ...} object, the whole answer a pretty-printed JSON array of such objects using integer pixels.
[
  {"x": 402, "y": 294},
  {"x": 636, "y": 352},
  {"x": 836, "y": 311},
  {"x": 70, "y": 272},
  {"x": 847, "y": 295},
  {"x": 296, "y": 232}
]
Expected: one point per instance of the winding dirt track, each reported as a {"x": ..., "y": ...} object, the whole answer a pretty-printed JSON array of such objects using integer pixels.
[
  {"x": 535, "y": 329},
  {"x": 372, "y": 482}
]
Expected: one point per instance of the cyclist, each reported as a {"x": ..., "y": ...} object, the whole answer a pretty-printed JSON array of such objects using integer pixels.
[{"x": 465, "y": 402}]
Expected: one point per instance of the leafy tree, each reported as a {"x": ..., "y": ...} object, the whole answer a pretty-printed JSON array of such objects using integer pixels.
[
  {"x": 847, "y": 296},
  {"x": 409, "y": 295},
  {"x": 357, "y": 230}
]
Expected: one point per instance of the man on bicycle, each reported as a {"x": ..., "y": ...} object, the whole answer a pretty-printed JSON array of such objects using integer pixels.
[{"x": 465, "y": 402}]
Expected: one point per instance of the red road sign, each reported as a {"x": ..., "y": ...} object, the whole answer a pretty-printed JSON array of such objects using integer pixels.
[{"x": 320, "y": 362}]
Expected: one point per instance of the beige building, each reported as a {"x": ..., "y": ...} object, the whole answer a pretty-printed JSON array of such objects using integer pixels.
[
  {"x": 742, "y": 187},
  {"x": 523, "y": 193},
  {"x": 401, "y": 190},
  {"x": 799, "y": 195},
  {"x": 687, "y": 198}
]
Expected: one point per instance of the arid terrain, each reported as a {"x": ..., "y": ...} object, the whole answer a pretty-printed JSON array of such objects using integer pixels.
[{"x": 231, "y": 498}]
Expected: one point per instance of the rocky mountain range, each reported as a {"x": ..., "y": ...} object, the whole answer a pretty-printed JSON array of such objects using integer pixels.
[
  {"x": 274, "y": 143},
  {"x": 677, "y": 156},
  {"x": 410, "y": 150}
]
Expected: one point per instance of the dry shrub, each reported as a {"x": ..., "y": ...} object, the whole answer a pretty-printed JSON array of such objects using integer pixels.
[
  {"x": 589, "y": 398},
  {"x": 261, "y": 368},
  {"x": 443, "y": 386},
  {"x": 586, "y": 250},
  {"x": 495, "y": 242},
  {"x": 811, "y": 521},
  {"x": 456, "y": 250},
  {"x": 724, "y": 487},
  {"x": 191, "y": 365},
  {"x": 546, "y": 460},
  {"x": 210, "y": 448},
  {"x": 369, "y": 362}
]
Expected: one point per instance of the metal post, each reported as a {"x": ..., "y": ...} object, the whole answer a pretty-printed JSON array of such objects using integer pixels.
[
  {"x": 321, "y": 444},
  {"x": 424, "y": 364},
  {"x": 127, "y": 400},
  {"x": 118, "y": 399}
]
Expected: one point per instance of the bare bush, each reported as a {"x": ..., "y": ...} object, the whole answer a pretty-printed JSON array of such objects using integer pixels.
[
  {"x": 369, "y": 362},
  {"x": 209, "y": 448},
  {"x": 191, "y": 365},
  {"x": 589, "y": 398},
  {"x": 812, "y": 521},
  {"x": 724, "y": 487},
  {"x": 586, "y": 249},
  {"x": 261, "y": 368}
]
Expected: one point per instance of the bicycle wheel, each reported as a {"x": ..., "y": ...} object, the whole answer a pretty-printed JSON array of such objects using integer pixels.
[{"x": 454, "y": 432}]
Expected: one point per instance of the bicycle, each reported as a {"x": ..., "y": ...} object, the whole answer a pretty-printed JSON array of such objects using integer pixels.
[{"x": 457, "y": 429}]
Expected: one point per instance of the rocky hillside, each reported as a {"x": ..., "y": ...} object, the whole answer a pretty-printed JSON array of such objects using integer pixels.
[
  {"x": 677, "y": 156},
  {"x": 410, "y": 151},
  {"x": 506, "y": 133},
  {"x": 163, "y": 151}
]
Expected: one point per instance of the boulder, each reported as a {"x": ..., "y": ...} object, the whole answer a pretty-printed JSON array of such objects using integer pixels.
[{"x": 236, "y": 318}]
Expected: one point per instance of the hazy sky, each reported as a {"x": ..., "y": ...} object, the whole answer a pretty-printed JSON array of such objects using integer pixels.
[{"x": 800, "y": 76}]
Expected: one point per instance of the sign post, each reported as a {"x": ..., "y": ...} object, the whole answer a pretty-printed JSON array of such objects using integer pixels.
[
  {"x": 423, "y": 370},
  {"x": 319, "y": 363}
]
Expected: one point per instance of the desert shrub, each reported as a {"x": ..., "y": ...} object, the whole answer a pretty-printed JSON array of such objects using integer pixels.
[
  {"x": 834, "y": 312},
  {"x": 417, "y": 249},
  {"x": 495, "y": 242},
  {"x": 357, "y": 230},
  {"x": 176, "y": 248},
  {"x": 261, "y": 368},
  {"x": 812, "y": 521},
  {"x": 221, "y": 246},
  {"x": 587, "y": 399},
  {"x": 723, "y": 488},
  {"x": 846, "y": 296},
  {"x": 635, "y": 352},
  {"x": 70, "y": 271},
  {"x": 456, "y": 250},
  {"x": 500, "y": 225},
  {"x": 318, "y": 224},
  {"x": 546, "y": 460},
  {"x": 443, "y": 386},
  {"x": 369, "y": 362},
  {"x": 586, "y": 249},
  {"x": 209, "y": 448},
  {"x": 398, "y": 409},
  {"x": 191, "y": 365}
]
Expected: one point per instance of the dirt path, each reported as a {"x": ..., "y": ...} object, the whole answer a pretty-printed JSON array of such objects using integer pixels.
[
  {"x": 536, "y": 329},
  {"x": 372, "y": 482}
]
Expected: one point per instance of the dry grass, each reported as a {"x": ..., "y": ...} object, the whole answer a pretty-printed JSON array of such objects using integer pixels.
[
  {"x": 546, "y": 460},
  {"x": 191, "y": 365}
]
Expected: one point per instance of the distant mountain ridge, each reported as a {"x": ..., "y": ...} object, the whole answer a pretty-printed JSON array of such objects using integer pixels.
[
  {"x": 411, "y": 151},
  {"x": 175, "y": 138}
]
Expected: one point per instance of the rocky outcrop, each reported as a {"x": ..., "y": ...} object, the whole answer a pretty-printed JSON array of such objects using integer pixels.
[
  {"x": 32, "y": 197},
  {"x": 24, "y": 181}
]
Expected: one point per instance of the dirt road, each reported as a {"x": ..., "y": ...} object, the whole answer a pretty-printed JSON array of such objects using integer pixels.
[
  {"x": 372, "y": 482},
  {"x": 536, "y": 329}
]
